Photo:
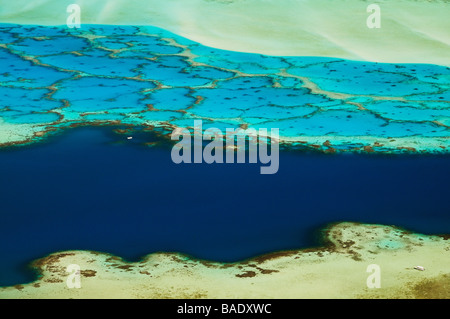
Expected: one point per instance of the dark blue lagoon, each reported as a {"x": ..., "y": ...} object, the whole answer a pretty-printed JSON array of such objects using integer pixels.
[{"x": 92, "y": 189}]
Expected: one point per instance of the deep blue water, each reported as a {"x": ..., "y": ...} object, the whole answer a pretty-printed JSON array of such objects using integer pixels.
[{"x": 91, "y": 189}]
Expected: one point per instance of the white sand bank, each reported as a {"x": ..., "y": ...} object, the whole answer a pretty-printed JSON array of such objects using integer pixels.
[
  {"x": 338, "y": 270},
  {"x": 411, "y": 31}
]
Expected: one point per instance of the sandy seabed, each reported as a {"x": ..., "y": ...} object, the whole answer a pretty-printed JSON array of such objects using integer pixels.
[{"x": 411, "y": 31}]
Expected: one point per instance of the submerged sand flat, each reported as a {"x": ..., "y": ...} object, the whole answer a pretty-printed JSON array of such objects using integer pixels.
[
  {"x": 337, "y": 270},
  {"x": 411, "y": 31}
]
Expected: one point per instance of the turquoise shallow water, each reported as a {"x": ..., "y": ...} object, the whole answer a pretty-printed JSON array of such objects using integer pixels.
[{"x": 56, "y": 77}]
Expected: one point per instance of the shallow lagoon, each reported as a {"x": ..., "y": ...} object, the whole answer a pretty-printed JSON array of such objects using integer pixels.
[{"x": 57, "y": 77}]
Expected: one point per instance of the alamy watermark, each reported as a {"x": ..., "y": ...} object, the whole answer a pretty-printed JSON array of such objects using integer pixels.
[
  {"x": 374, "y": 279},
  {"x": 258, "y": 143},
  {"x": 374, "y": 20},
  {"x": 74, "y": 19},
  {"x": 74, "y": 279}
]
